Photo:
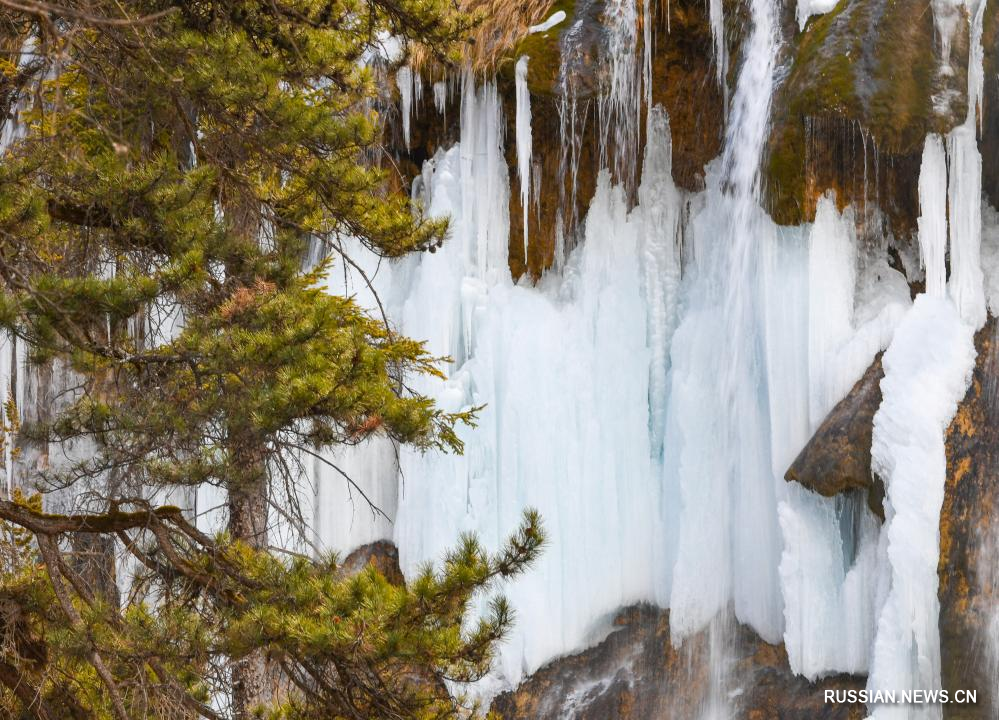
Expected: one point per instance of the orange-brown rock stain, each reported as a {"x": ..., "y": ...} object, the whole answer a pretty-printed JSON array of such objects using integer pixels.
[{"x": 969, "y": 535}]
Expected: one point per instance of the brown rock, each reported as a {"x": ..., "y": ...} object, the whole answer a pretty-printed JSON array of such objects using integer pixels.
[
  {"x": 969, "y": 537},
  {"x": 838, "y": 457},
  {"x": 637, "y": 674},
  {"x": 862, "y": 91},
  {"x": 989, "y": 143},
  {"x": 382, "y": 555}
]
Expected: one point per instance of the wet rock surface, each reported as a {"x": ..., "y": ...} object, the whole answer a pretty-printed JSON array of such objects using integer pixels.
[
  {"x": 865, "y": 84},
  {"x": 989, "y": 143},
  {"x": 636, "y": 674},
  {"x": 969, "y": 538},
  {"x": 838, "y": 457}
]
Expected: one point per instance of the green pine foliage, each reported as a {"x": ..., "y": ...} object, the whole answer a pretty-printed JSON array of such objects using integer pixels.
[
  {"x": 340, "y": 646},
  {"x": 185, "y": 173}
]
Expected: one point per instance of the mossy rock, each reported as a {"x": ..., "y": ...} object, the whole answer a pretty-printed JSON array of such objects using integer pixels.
[
  {"x": 545, "y": 52},
  {"x": 870, "y": 71}
]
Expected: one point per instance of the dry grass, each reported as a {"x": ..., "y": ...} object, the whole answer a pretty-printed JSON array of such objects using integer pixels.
[{"x": 504, "y": 23}]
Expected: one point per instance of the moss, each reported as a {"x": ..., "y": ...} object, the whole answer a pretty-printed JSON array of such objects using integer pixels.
[
  {"x": 859, "y": 73},
  {"x": 545, "y": 52},
  {"x": 784, "y": 175}
]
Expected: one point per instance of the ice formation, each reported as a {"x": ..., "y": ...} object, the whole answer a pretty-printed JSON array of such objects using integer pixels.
[
  {"x": 927, "y": 369},
  {"x": 620, "y": 105},
  {"x": 556, "y": 18},
  {"x": 717, "y": 443},
  {"x": 410, "y": 86},
  {"x": 933, "y": 215},
  {"x": 648, "y": 395}
]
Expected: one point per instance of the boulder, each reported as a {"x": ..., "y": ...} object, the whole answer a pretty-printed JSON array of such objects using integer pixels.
[
  {"x": 381, "y": 554},
  {"x": 838, "y": 457}
]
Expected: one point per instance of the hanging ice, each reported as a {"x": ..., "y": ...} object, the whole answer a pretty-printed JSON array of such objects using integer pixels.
[
  {"x": 965, "y": 285},
  {"x": 440, "y": 96},
  {"x": 933, "y": 215},
  {"x": 406, "y": 81},
  {"x": 829, "y": 561},
  {"x": 661, "y": 214},
  {"x": 621, "y": 100}
]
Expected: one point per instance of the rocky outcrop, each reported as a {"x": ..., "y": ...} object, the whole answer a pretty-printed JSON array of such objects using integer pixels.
[
  {"x": 866, "y": 82},
  {"x": 969, "y": 539},
  {"x": 838, "y": 457},
  {"x": 637, "y": 674}
]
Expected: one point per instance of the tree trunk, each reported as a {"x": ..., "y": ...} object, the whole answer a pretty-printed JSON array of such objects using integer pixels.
[{"x": 248, "y": 523}]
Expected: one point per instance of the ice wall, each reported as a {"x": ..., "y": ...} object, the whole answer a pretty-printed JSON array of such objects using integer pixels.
[
  {"x": 648, "y": 395},
  {"x": 564, "y": 372}
]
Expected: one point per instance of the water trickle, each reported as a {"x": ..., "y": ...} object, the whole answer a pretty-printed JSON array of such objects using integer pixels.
[{"x": 524, "y": 141}]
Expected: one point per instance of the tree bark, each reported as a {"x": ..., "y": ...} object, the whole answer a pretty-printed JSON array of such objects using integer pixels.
[{"x": 248, "y": 523}]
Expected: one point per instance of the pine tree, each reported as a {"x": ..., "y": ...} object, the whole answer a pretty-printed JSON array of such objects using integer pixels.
[{"x": 185, "y": 174}]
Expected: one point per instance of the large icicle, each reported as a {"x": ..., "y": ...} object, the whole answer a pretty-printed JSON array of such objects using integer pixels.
[
  {"x": 829, "y": 561},
  {"x": 965, "y": 187},
  {"x": 404, "y": 81},
  {"x": 660, "y": 210},
  {"x": 933, "y": 215},
  {"x": 927, "y": 369},
  {"x": 524, "y": 140}
]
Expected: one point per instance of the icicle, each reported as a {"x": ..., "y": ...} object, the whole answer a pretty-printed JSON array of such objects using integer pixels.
[
  {"x": 524, "y": 142},
  {"x": 659, "y": 205},
  {"x": 404, "y": 81},
  {"x": 933, "y": 215},
  {"x": 621, "y": 102},
  {"x": 647, "y": 50},
  {"x": 485, "y": 204},
  {"x": 440, "y": 96},
  {"x": 965, "y": 190},
  {"x": 717, "y": 17}
]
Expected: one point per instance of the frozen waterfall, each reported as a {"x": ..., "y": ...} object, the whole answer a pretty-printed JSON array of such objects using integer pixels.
[{"x": 648, "y": 395}]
